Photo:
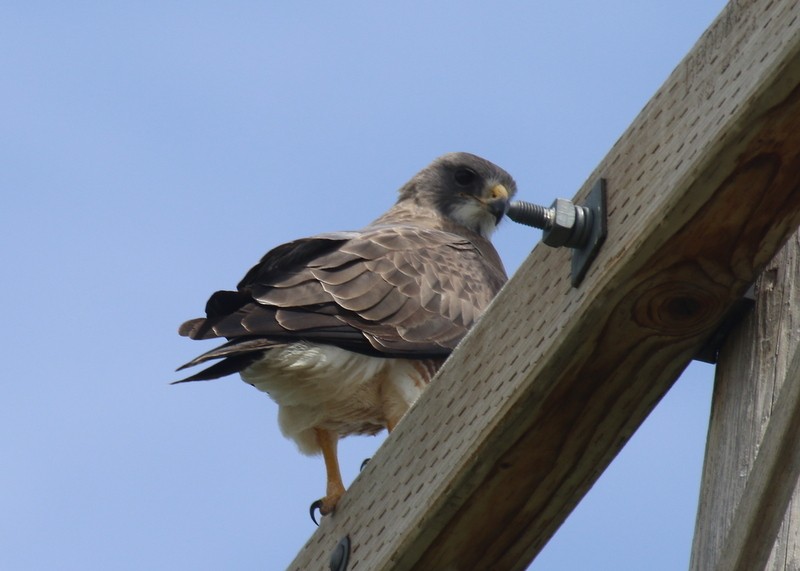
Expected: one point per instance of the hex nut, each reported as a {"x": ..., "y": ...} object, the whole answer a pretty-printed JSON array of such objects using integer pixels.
[{"x": 564, "y": 221}]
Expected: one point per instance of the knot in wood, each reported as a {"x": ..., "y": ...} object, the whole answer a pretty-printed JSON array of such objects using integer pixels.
[{"x": 678, "y": 308}]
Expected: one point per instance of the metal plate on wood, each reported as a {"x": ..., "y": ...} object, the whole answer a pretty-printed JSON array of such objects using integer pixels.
[{"x": 595, "y": 207}]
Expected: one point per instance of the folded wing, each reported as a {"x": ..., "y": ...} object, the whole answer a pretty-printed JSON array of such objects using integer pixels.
[{"x": 392, "y": 291}]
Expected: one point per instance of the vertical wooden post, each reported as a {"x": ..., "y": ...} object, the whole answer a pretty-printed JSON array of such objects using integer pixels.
[{"x": 749, "y": 512}]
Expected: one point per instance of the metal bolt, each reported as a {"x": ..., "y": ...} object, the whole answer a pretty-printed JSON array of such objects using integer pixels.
[
  {"x": 581, "y": 227},
  {"x": 564, "y": 223}
]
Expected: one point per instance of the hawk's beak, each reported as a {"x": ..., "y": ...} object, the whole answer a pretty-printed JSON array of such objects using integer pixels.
[{"x": 498, "y": 201}]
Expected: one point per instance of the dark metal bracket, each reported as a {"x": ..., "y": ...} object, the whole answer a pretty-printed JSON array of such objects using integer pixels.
[
  {"x": 709, "y": 352},
  {"x": 580, "y": 227}
]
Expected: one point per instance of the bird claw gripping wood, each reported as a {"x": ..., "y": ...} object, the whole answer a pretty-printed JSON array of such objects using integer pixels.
[{"x": 317, "y": 505}]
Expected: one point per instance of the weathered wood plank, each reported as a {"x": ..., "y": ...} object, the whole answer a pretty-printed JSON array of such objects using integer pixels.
[
  {"x": 539, "y": 398},
  {"x": 752, "y": 467}
]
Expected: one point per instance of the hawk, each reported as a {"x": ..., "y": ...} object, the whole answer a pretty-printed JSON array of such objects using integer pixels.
[{"x": 345, "y": 330}]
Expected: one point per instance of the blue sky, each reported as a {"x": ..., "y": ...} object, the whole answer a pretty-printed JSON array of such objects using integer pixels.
[{"x": 151, "y": 152}]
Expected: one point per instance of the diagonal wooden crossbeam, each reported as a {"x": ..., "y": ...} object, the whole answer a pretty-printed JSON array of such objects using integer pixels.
[{"x": 703, "y": 188}]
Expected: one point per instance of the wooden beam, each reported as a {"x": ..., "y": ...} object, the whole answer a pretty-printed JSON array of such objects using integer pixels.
[
  {"x": 752, "y": 466},
  {"x": 702, "y": 190}
]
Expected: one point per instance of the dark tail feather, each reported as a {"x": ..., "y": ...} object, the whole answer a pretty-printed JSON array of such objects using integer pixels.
[
  {"x": 232, "y": 348},
  {"x": 191, "y": 328},
  {"x": 224, "y": 368},
  {"x": 221, "y": 304},
  {"x": 236, "y": 355}
]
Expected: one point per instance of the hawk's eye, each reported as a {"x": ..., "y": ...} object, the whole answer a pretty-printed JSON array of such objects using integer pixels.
[{"x": 465, "y": 177}]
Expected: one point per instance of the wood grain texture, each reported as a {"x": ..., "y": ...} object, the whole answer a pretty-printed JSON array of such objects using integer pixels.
[
  {"x": 749, "y": 512},
  {"x": 703, "y": 188}
]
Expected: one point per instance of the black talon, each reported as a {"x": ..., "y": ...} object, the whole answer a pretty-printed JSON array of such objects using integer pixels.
[
  {"x": 314, "y": 507},
  {"x": 364, "y": 464}
]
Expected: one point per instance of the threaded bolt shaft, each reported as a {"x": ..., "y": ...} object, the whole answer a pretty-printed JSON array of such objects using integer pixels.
[{"x": 530, "y": 214}]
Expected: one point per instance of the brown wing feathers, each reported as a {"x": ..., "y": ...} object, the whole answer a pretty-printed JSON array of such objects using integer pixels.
[{"x": 385, "y": 291}]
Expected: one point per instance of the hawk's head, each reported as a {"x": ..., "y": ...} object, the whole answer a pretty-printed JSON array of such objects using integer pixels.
[{"x": 464, "y": 188}]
